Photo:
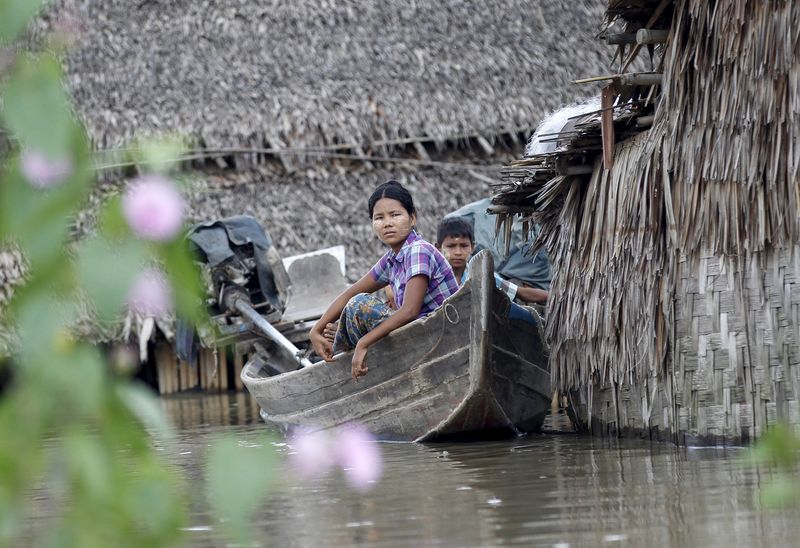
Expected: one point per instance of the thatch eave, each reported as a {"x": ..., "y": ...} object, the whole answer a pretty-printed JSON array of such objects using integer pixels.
[{"x": 299, "y": 74}]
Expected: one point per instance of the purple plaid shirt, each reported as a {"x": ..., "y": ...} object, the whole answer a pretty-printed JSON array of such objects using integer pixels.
[{"x": 417, "y": 257}]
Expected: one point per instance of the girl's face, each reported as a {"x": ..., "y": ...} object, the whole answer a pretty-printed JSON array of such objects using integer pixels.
[{"x": 392, "y": 223}]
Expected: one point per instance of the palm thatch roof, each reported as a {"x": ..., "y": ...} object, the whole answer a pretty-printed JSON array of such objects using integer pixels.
[
  {"x": 242, "y": 80},
  {"x": 262, "y": 74},
  {"x": 677, "y": 264},
  {"x": 324, "y": 206}
]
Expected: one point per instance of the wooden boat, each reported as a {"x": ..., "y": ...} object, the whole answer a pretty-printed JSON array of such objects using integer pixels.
[{"x": 466, "y": 371}]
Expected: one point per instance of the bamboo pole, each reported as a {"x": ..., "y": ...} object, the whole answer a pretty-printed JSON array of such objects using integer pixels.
[
  {"x": 238, "y": 364},
  {"x": 222, "y": 369}
]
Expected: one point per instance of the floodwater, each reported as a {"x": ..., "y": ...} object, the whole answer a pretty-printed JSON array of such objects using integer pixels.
[{"x": 544, "y": 490}]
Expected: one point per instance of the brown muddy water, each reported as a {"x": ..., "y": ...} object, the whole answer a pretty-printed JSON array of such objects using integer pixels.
[{"x": 545, "y": 490}]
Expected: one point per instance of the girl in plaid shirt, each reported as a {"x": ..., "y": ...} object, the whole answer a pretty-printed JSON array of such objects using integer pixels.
[{"x": 419, "y": 275}]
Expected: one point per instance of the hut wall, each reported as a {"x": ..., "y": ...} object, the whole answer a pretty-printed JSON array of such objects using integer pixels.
[
  {"x": 724, "y": 252},
  {"x": 734, "y": 364}
]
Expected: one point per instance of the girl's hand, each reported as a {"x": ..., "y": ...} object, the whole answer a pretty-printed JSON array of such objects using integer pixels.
[
  {"x": 330, "y": 331},
  {"x": 359, "y": 368},
  {"x": 321, "y": 345}
]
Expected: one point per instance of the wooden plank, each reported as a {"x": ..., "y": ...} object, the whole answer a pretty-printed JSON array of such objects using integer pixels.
[
  {"x": 161, "y": 373},
  {"x": 238, "y": 362},
  {"x": 193, "y": 370},
  {"x": 201, "y": 370},
  {"x": 223, "y": 369},
  {"x": 184, "y": 376},
  {"x": 607, "y": 125},
  {"x": 211, "y": 374},
  {"x": 171, "y": 372}
]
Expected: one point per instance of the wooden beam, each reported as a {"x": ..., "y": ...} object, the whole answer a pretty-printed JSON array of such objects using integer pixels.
[
  {"x": 238, "y": 364},
  {"x": 645, "y": 121},
  {"x": 222, "y": 369},
  {"x": 162, "y": 370},
  {"x": 641, "y": 79},
  {"x": 650, "y": 36},
  {"x": 607, "y": 125},
  {"x": 617, "y": 39},
  {"x": 184, "y": 373}
]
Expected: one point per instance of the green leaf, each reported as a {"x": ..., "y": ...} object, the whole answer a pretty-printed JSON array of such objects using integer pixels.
[
  {"x": 146, "y": 407},
  {"x": 780, "y": 492},
  {"x": 161, "y": 154},
  {"x": 15, "y": 16},
  {"x": 42, "y": 319},
  {"x": 77, "y": 381},
  {"x": 239, "y": 477},
  {"x": 36, "y": 109},
  {"x": 18, "y": 200},
  {"x": 89, "y": 464},
  {"x": 112, "y": 222},
  {"x": 106, "y": 270},
  {"x": 184, "y": 277}
]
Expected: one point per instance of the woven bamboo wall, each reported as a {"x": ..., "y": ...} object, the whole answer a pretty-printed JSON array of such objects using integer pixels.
[{"x": 734, "y": 365}]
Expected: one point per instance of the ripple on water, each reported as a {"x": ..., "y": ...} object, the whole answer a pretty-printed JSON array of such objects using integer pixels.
[{"x": 560, "y": 491}]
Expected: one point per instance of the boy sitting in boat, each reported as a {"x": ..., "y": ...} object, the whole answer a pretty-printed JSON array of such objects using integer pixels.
[
  {"x": 454, "y": 238},
  {"x": 420, "y": 278}
]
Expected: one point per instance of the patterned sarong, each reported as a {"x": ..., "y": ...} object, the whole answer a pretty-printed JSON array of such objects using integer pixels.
[{"x": 362, "y": 314}]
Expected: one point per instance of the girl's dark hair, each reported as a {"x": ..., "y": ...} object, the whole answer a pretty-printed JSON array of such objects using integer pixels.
[{"x": 394, "y": 190}]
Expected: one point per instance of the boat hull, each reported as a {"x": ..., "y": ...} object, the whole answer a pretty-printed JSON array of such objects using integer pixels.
[{"x": 466, "y": 371}]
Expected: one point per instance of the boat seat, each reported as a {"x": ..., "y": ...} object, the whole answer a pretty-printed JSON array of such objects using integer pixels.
[{"x": 316, "y": 279}]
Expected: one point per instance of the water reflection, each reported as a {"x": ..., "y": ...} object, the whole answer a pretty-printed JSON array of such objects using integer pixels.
[{"x": 534, "y": 491}]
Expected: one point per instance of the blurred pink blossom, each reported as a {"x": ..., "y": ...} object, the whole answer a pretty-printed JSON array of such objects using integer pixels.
[
  {"x": 359, "y": 456},
  {"x": 44, "y": 172},
  {"x": 154, "y": 208},
  {"x": 312, "y": 454},
  {"x": 150, "y": 294},
  {"x": 351, "y": 447}
]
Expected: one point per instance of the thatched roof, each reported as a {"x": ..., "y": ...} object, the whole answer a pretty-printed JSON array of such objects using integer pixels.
[
  {"x": 715, "y": 176},
  {"x": 306, "y": 73},
  {"x": 325, "y": 206}
]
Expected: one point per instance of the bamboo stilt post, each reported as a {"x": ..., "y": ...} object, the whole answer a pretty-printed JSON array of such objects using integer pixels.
[
  {"x": 172, "y": 373},
  {"x": 160, "y": 374},
  {"x": 201, "y": 370},
  {"x": 184, "y": 374},
  {"x": 164, "y": 367},
  {"x": 222, "y": 368},
  {"x": 238, "y": 364},
  {"x": 193, "y": 373},
  {"x": 212, "y": 375}
]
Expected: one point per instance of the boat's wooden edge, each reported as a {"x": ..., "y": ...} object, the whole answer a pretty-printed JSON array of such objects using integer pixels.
[
  {"x": 483, "y": 293},
  {"x": 249, "y": 373}
]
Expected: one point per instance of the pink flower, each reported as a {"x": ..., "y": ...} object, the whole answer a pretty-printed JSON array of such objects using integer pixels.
[
  {"x": 312, "y": 455},
  {"x": 150, "y": 294},
  {"x": 154, "y": 208},
  {"x": 359, "y": 456},
  {"x": 44, "y": 172},
  {"x": 351, "y": 447}
]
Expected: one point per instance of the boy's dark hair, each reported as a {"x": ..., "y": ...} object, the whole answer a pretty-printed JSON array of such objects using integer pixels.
[
  {"x": 394, "y": 190},
  {"x": 454, "y": 226}
]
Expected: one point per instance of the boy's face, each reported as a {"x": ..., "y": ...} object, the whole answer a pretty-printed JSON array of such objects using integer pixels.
[{"x": 456, "y": 249}]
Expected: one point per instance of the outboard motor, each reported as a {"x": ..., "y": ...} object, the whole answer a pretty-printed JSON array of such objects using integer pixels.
[{"x": 250, "y": 284}]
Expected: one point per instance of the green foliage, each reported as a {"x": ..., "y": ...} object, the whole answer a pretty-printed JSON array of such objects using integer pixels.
[
  {"x": 239, "y": 478},
  {"x": 69, "y": 420},
  {"x": 106, "y": 268},
  {"x": 779, "y": 449},
  {"x": 160, "y": 154},
  {"x": 15, "y": 17}
]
